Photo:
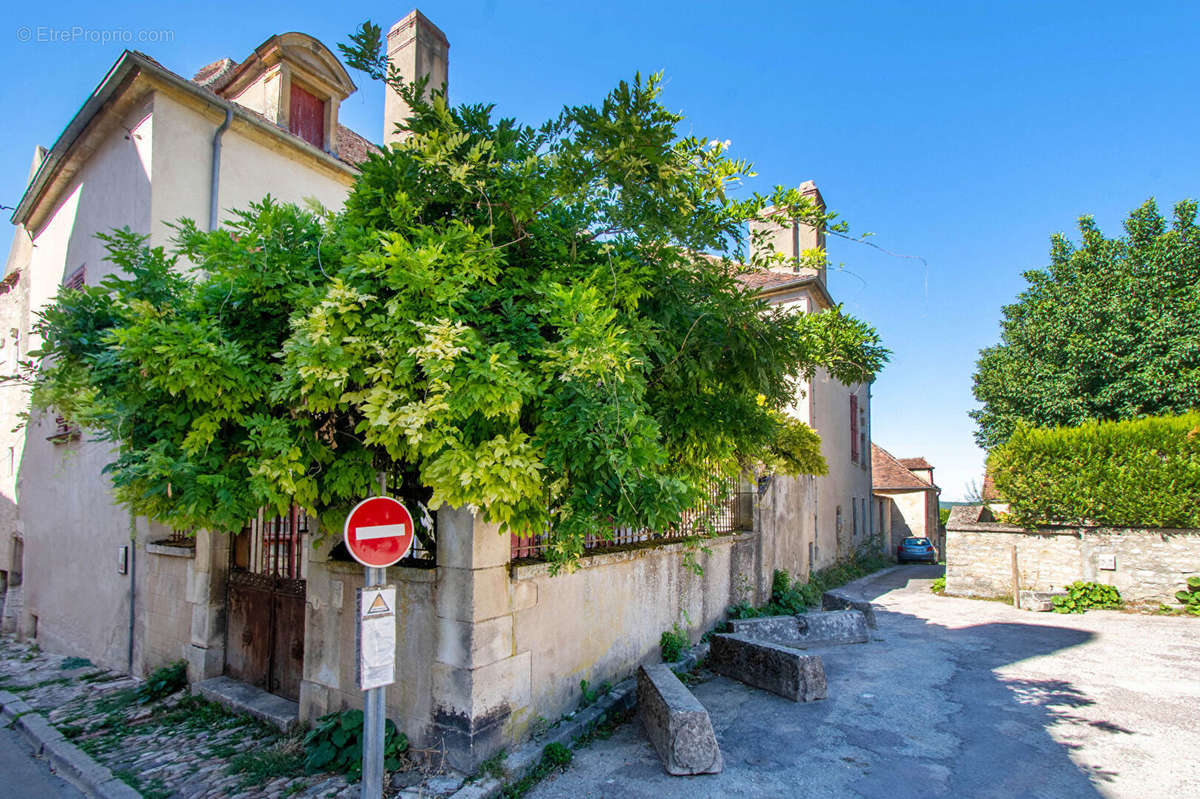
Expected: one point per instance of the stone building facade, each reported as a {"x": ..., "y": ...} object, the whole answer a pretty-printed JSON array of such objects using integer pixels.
[
  {"x": 485, "y": 645},
  {"x": 905, "y": 500}
]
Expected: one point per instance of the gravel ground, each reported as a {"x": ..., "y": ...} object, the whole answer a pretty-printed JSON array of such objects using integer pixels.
[{"x": 952, "y": 697}]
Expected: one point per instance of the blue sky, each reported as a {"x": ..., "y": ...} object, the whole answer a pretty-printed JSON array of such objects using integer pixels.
[{"x": 962, "y": 132}]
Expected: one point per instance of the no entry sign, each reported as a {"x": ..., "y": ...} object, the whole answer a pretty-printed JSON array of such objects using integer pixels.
[{"x": 379, "y": 532}]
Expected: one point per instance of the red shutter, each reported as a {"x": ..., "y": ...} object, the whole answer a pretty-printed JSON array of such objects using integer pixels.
[
  {"x": 306, "y": 117},
  {"x": 77, "y": 279},
  {"x": 854, "y": 428}
]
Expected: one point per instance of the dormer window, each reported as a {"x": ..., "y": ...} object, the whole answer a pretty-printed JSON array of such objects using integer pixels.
[{"x": 306, "y": 116}]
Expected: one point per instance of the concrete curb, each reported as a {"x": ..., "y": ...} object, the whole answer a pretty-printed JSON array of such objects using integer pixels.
[
  {"x": 68, "y": 760},
  {"x": 526, "y": 757}
]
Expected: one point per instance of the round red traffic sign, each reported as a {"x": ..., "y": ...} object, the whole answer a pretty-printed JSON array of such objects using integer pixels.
[{"x": 379, "y": 532}]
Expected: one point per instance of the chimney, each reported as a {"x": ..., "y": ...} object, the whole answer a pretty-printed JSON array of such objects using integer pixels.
[
  {"x": 791, "y": 238},
  {"x": 417, "y": 48}
]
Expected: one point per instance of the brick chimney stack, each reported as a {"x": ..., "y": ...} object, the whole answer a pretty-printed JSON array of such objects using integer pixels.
[
  {"x": 791, "y": 238},
  {"x": 417, "y": 48}
]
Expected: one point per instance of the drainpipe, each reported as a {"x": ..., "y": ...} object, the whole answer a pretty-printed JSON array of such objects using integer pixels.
[
  {"x": 215, "y": 179},
  {"x": 132, "y": 582}
]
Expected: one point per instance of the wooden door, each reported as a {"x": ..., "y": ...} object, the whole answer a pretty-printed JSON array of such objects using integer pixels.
[{"x": 265, "y": 605}]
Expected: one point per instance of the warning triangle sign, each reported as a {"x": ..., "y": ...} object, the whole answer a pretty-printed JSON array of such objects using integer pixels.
[{"x": 379, "y": 605}]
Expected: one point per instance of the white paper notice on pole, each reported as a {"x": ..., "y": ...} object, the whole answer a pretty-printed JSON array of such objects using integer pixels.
[{"x": 377, "y": 639}]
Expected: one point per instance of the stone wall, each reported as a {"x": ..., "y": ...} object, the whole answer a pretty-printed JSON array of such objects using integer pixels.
[
  {"x": 164, "y": 581},
  {"x": 1145, "y": 565}
]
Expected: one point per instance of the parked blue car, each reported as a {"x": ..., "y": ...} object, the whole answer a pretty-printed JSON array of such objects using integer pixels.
[{"x": 915, "y": 549}]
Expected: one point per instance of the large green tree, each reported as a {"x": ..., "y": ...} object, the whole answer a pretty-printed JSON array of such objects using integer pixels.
[
  {"x": 1109, "y": 330},
  {"x": 541, "y": 323}
]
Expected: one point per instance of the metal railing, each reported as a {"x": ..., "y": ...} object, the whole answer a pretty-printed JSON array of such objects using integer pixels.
[{"x": 727, "y": 507}]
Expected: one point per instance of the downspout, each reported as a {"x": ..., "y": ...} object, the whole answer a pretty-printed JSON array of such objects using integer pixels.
[
  {"x": 214, "y": 183},
  {"x": 132, "y": 582}
]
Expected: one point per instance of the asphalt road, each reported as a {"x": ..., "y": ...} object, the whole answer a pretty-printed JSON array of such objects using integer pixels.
[
  {"x": 952, "y": 697},
  {"x": 23, "y": 776}
]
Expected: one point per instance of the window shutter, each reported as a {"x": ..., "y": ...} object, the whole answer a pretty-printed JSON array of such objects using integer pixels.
[
  {"x": 78, "y": 278},
  {"x": 306, "y": 117},
  {"x": 854, "y": 428}
]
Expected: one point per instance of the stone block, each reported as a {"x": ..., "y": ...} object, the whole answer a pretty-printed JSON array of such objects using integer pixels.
[
  {"x": 819, "y": 628},
  {"x": 1037, "y": 601},
  {"x": 839, "y": 600},
  {"x": 472, "y": 594},
  {"x": 472, "y": 645},
  {"x": 778, "y": 669},
  {"x": 676, "y": 723},
  {"x": 74, "y": 764},
  {"x": 465, "y": 542},
  {"x": 37, "y": 730},
  {"x": 241, "y": 697}
]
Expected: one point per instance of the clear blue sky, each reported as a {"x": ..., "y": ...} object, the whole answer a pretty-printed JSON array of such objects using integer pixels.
[{"x": 962, "y": 132}]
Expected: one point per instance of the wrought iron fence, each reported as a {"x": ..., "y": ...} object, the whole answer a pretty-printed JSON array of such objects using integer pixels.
[
  {"x": 416, "y": 498},
  {"x": 727, "y": 507}
]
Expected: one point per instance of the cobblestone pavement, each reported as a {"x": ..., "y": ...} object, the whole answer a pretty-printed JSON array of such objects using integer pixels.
[
  {"x": 180, "y": 747},
  {"x": 951, "y": 697}
]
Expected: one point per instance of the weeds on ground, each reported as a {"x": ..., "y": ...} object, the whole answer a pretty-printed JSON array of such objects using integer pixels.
[
  {"x": 938, "y": 586},
  {"x": 590, "y": 694},
  {"x": 1190, "y": 596},
  {"x": 335, "y": 744},
  {"x": 673, "y": 643},
  {"x": 284, "y": 759},
  {"x": 554, "y": 757},
  {"x": 789, "y": 598},
  {"x": 74, "y": 663}
]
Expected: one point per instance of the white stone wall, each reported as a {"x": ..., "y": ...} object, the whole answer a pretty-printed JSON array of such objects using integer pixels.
[{"x": 1150, "y": 565}]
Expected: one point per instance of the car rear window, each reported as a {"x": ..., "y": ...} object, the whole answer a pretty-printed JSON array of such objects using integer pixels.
[{"x": 916, "y": 542}]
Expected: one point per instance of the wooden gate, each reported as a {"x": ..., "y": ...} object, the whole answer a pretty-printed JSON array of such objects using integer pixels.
[{"x": 265, "y": 604}]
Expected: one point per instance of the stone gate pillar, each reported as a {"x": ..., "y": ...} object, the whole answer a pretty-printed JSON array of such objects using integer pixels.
[
  {"x": 481, "y": 684},
  {"x": 206, "y": 595}
]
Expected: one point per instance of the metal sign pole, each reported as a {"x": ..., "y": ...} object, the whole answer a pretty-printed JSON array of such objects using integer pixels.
[{"x": 373, "y": 722}]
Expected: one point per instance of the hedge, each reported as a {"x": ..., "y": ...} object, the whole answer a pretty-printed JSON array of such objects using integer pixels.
[{"x": 1139, "y": 473}]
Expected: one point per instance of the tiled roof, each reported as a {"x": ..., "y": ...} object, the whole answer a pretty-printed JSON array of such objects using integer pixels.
[
  {"x": 888, "y": 472},
  {"x": 915, "y": 463},
  {"x": 771, "y": 280},
  {"x": 989, "y": 493}
]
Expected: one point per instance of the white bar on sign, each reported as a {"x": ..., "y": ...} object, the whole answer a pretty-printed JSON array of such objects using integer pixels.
[{"x": 379, "y": 531}]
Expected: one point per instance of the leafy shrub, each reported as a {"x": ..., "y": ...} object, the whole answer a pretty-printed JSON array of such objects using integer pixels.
[
  {"x": 1082, "y": 596},
  {"x": 335, "y": 744},
  {"x": 1141, "y": 473},
  {"x": 590, "y": 694},
  {"x": 1190, "y": 596},
  {"x": 672, "y": 644},
  {"x": 163, "y": 682},
  {"x": 939, "y": 585},
  {"x": 789, "y": 598}
]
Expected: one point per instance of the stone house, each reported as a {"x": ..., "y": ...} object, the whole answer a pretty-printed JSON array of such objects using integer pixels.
[
  {"x": 488, "y": 640},
  {"x": 905, "y": 500}
]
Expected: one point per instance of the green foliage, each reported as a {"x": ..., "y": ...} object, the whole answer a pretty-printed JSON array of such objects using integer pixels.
[
  {"x": 1143, "y": 473},
  {"x": 335, "y": 744},
  {"x": 590, "y": 695},
  {"x": 554, "y": 757},
  {"x": 1107, "y": 331},
  {"x": 673, "y": 643},
  {"x": 1190, "y": 596},
  {"x": 938, "y": 586},
  {"x": 263, "y": 765},
  {"x": 163, "y": 682},
  {"x": 74, "y": 663},
  {"x": 944, "y": 516},
  {"x": 1081, "y": 596},
  {"x": 543, "y": 323},
  {"x": 789, "y": 598}
]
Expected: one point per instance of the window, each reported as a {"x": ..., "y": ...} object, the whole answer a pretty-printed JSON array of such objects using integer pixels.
[
  {"x": 306, "y": 116},
  {"x": 854, "y": 428},
  {"x": 78, "y": 278}
]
